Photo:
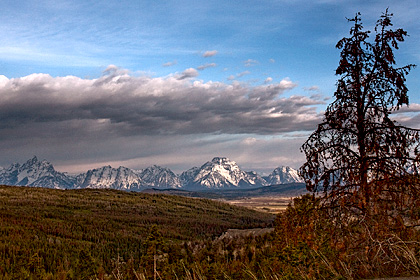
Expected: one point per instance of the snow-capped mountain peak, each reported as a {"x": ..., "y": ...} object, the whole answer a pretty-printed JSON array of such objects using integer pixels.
[
  {"x": 106, "y": 177},
  {"x": 219, "y": 173},
  {"x": 35, "y": 173},
  {"x": 284, "y": 175},
  {"x": 156, "y": 176},
  {"x": 188, "y": 176},
  {"x": 33, "y": 170}
]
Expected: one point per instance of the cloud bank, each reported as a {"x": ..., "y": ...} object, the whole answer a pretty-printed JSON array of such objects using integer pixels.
[
  {"x": 129, "y": 104},
  {"x": 175, "y": 121},
  {"x": 121, "y": 116}
]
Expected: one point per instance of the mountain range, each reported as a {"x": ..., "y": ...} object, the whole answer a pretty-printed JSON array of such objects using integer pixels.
[{"x": 219, "y": 173}]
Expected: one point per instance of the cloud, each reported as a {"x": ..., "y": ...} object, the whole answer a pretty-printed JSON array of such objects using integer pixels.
[
  {"x": 120, "y": 116},
  {"x": 268, "y": 80},
  {"x": 251, "y": 62},
  {"x": 312, "y": 88},
  {"x": 411, "y": 108},
  {"x": 249, "y": 141},
  {"x": 272, "y": 60},
  {"x": 272, "y": 91},
  {"x": 244, "y": 73},
  {"x": 408, "y": 115},
  {"x": 239, "y": 75},
  {"x": 210, "y": 53},
  {"x": 207, "y": 65},
  {"x": 187, "y": 74},
  {"x": 170, "y": 63},
  {"x": 128, "y": 104}
]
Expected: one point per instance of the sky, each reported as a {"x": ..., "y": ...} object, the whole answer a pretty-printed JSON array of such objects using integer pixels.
[{"x": 85, "y": 84}]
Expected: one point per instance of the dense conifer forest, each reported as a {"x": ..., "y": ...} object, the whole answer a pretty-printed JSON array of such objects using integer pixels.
[
  {"x": 74, "y": 234},
  {"x": 108, "y": 234}
]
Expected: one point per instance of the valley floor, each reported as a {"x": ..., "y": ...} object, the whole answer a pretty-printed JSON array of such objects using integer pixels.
[{"x": 270, "y": 204}]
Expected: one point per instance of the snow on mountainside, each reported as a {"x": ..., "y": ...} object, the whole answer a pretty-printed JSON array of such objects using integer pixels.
[
  {"x": 257, "y": 179},
  {"x": 216, "y": 174},
  {"x": 156, "y": 176},
  {"x": 107, "y": 177},
  {"x": 221, "y": 173},
  {"x": 188, "y": 176},
  {"x": 283, "y": 175},
  {"x": 127, "y": 179},
  {"x": 35, "y": 173}
]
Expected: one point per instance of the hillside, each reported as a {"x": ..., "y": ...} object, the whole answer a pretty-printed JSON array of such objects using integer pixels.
[{"x": 59, "y": 227}]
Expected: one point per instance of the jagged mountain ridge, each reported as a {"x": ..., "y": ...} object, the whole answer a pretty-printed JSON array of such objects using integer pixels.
[
  {"x": 124, "y": 178},
  {"x": 220, "y": 173},
  {"x": 283, "y": 175},
  {"x": 37, "y": 174},
  {"x": 107, "y": 177},
  {"x": 216, "y": 174},
  {"x": 156, "y": 176}
]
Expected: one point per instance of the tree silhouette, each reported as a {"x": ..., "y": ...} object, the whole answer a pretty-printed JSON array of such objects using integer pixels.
[{"x": 359, "y": 157}]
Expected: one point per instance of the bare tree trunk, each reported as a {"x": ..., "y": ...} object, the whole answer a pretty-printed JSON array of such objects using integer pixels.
[{"x": 154, "y": 267}]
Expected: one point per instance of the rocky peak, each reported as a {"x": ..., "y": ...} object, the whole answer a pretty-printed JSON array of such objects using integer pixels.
[
  {"x": 220, "y": 172},
  {"x": 121, "y": 178},
  {"x": 157, "y": 176},
  {"x": 283, "y": 175},
  {"x": 35, "y": 173}
]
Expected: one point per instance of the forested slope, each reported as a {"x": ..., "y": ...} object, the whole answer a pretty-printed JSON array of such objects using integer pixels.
[{"x": 63, "y": 232}]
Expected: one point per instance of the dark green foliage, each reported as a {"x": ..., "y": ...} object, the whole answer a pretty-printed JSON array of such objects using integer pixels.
[
  {"x": 79, "y": 234},
  {"x": 104, "y": 234}
]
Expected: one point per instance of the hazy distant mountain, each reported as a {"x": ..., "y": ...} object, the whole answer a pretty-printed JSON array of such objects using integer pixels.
[
  {"x": 35, "y": 173},
  {"x": 283, "y": 175},
  {"x": 220, "y": 173}
]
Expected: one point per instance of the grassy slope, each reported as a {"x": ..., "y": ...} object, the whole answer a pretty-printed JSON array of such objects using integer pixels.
[{"x": 54, "y": 226}]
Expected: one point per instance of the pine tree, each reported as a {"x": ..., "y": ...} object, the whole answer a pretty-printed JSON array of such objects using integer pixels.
[
  {"x": 155, "y": 248},
  {"x": 359, "y": 158}
]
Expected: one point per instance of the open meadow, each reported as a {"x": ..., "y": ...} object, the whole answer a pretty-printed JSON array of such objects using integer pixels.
[{"x": 273, "y": 204}]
